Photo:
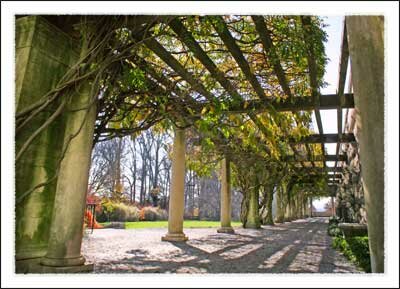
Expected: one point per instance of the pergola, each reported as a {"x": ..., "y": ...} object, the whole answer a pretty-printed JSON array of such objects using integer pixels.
[{"x": 186, "y": 92}]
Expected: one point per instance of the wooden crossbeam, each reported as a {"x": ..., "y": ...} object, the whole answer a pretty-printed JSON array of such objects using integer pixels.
[
  {"x": 328, "y": 101},
  {"x": 325, "y": 138},
  {"x": 320, "y": 170},
  {"x": 320, "y": 158},
  {"x": 265, "y": 37},
  {"x": 187, "y": 38},
  {"x": 223, "y": 32},
  {"x": 161, "y": 52}
]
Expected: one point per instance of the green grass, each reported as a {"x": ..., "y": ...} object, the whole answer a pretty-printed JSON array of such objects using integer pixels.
[{"x": 186, "y": 224}]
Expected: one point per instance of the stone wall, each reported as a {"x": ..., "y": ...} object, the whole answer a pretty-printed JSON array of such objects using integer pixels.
[{"x": 349, "y": 203}]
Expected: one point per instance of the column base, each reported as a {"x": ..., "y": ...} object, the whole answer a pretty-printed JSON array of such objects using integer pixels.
[
  {"x": 171, "y": 237},
  {"x": 62, "y": 262},
  {"x": 252, "y": 226},
  {"x": 226, "y": 230},
  {"x": 34, "y": 266}
]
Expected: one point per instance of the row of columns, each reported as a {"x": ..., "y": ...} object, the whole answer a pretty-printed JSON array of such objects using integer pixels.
[{"x": 177, "y": 192}]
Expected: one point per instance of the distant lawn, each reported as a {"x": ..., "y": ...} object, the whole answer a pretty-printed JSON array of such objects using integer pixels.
[{"x": 186, "y": 224}]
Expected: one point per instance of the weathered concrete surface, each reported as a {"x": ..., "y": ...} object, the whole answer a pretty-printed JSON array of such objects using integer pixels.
[
  {"x": 301, "y": 246},
  {"x": 353, "y": 229},
  {"x": 366, "y": 47},
  {"x": 43, "y": 54}
]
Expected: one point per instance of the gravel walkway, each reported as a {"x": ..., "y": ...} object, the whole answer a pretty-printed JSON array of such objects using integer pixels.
[{"x": 302, "y": 246}]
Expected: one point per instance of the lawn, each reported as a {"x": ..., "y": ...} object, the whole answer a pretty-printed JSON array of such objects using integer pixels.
[{"x": 186, "y": 224}]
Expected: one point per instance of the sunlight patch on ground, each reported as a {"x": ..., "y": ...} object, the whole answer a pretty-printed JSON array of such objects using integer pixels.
[
  {"x": 274, "y": 259},
  {"x": 307, "y": 260},
  {"x": 240, "y": 252}
]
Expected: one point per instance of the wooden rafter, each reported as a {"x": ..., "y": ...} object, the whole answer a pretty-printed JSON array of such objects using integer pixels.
[
  {"x": 161, "y": 52},
  {"x": 187, "y": 38},
  {"x": 270, "y": 51},
  {"x": 344, "y": 60},
  {"x": 223, "y": 32}
]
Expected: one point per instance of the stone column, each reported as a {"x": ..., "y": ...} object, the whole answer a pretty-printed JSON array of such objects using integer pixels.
[
  {"x": 177, "y": 193},
  {"x": 366, "y": 47},
  {"x": 43, "y": 54},
  {"x": 288, "y": 211},
  {"x": 67, "y": 223},
  {"x": 279, "y": 206},
  {"x": 225, "y": 198},
  {"x": 253, "y": 217},
  {"x": 66, "y": 231}
]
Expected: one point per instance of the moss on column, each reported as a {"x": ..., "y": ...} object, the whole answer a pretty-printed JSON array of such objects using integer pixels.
[
  {"x": 43, "y": 55},
  {"x": 253, "y": 217}
]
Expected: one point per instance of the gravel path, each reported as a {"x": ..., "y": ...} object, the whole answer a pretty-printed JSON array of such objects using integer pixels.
[{"x": 301, "y": 246}]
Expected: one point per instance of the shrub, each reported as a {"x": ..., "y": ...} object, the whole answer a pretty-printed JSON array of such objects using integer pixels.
[
  {"x": 153, "y": 214},
  {"x": 333, "y": 229},
  {"x": 333, "y": 221},
  {"x": 356, "y": 249},
  {"x": 118, "y": 212}
]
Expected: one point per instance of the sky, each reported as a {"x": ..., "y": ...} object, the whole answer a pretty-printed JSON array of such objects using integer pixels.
[{"x": 329, "y": 117}]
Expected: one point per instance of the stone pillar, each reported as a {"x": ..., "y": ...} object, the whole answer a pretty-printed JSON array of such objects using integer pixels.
[
  {"x": 253, "y": 216},
  {"x": 225, "y": 198},
  {"x": 293, "y": 207},
  {"x": 43, "y": 54},
  {"x": 66, "y": 231},
  {"x": 366, "y": 48},
  {"x": 288, "y": 210},
  {"x": 67, "y": 223},
  {"x": 177, "y": 193},
  {"x": 279, "y": 206}
]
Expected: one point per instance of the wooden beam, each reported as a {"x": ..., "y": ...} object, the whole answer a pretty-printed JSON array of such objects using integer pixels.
[
  {"x": 265, "y": 37},
  {"x": 312, "y": 68},
  {"x": 223, "y": 32},
  {"x": 326, "y": 138},
  {"x": 187, "y": 38},
  {"x": 320, "y": 158},
  {"x": 328, "y": 101},
  {"x": 344, "y": 59},
  {"x": 319, "y": 170},
  {"x": 161, "y": 52}
]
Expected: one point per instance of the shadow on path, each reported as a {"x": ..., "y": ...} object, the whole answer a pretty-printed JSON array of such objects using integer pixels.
[{"x": 298, "y": 247}]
